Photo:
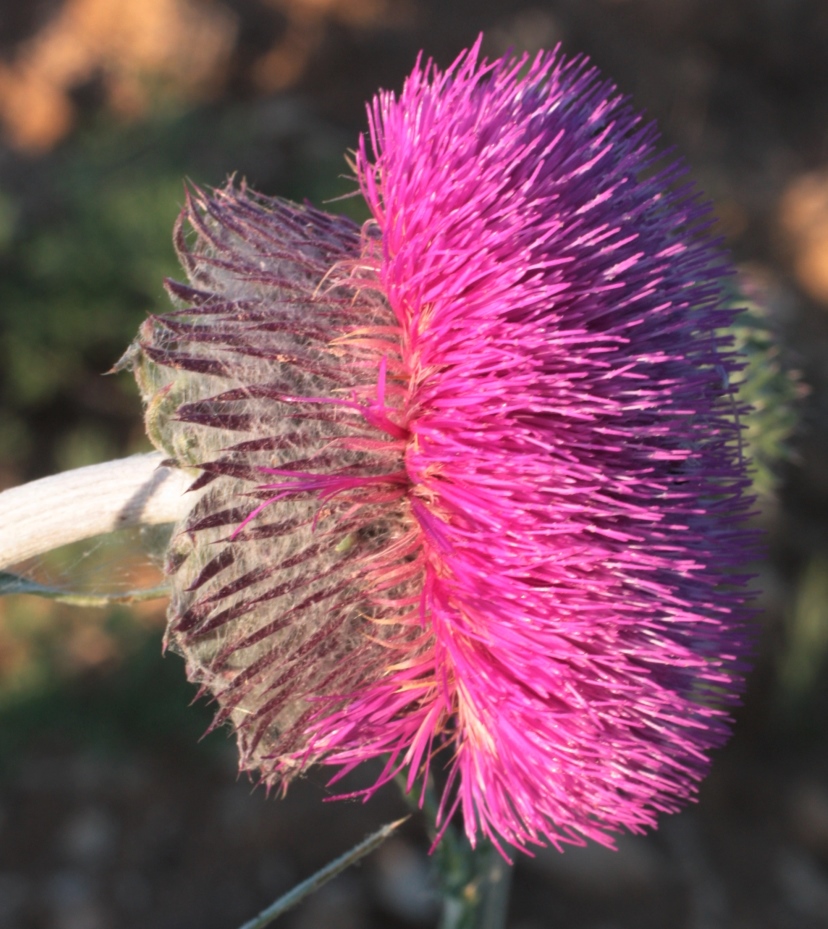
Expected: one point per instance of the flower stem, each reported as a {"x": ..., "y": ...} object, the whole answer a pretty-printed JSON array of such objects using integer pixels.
[
  {"x": 45, "y": 514},
  {"x": 474, "y": 882}
]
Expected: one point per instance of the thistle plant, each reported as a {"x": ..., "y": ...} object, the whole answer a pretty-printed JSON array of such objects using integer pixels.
[{"x": 471, "y": 485}]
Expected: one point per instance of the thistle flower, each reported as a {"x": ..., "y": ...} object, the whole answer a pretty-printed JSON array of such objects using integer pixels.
[{"x": 473, "y": 487}]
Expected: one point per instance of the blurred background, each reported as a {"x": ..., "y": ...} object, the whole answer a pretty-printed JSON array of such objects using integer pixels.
[{"x": 112, "y": 812}]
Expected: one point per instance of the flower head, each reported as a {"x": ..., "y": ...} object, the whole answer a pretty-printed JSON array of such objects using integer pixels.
[{"x": 474, "y": 487}]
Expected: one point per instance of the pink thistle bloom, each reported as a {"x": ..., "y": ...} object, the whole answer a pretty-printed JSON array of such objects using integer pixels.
[{"x": 475, "y": 492}]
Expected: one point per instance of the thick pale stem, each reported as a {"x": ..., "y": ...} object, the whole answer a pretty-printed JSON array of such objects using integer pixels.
[{"x": 54, "y": 511}]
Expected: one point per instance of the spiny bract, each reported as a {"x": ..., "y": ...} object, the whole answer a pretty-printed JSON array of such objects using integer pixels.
[{"x": 474, "y": 490}]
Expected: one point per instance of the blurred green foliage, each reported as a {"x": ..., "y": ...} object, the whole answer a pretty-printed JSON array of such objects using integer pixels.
[
  {"x": 77, "y": 275},
  {"x": 143, "y": 700},
  {"x": 770, "y": 389},
  {"x": 804, "y": 656}
]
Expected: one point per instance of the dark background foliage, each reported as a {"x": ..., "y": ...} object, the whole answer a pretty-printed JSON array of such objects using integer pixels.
[{"x": 112, "y": 814}]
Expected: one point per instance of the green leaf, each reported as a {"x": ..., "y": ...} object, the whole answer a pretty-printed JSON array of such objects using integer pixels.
[
  {"x": 292, "y": 897},
  {"x": 17, "y": 584}
]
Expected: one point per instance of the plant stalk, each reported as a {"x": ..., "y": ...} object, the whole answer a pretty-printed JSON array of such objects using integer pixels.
[
  {"x": 474, "y": 882},
  {"x": 54, "y": 511}
]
